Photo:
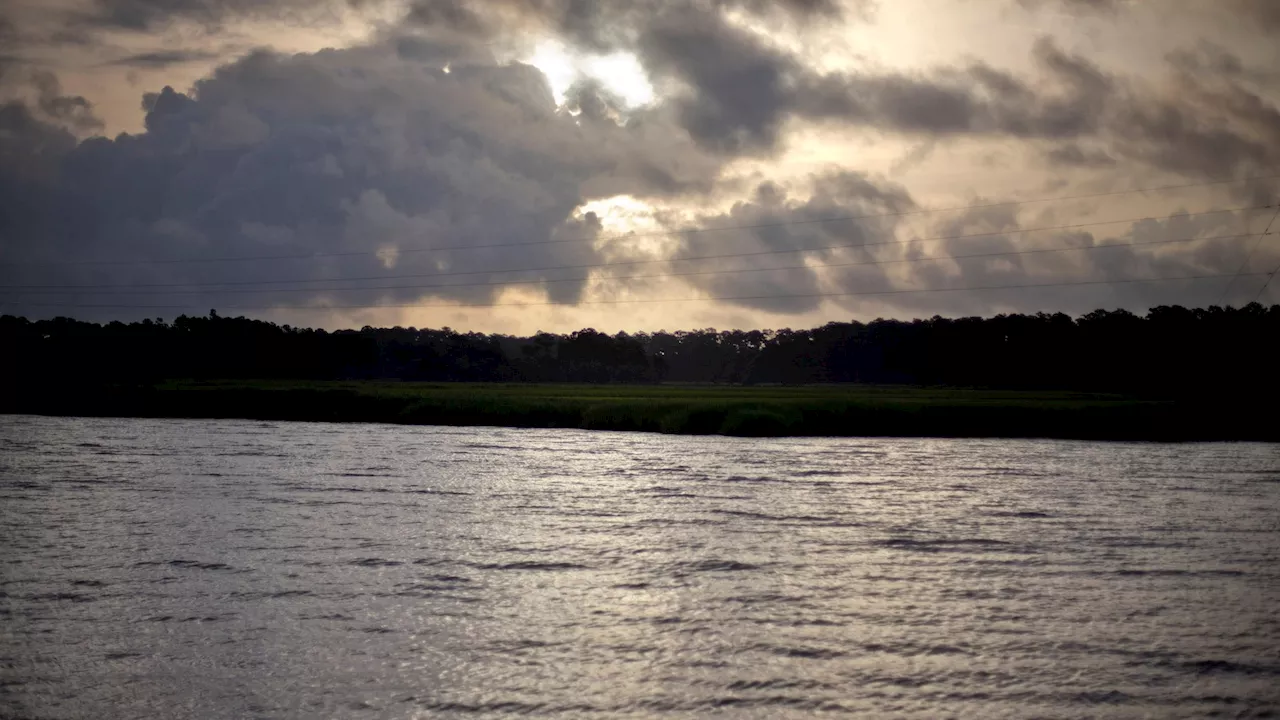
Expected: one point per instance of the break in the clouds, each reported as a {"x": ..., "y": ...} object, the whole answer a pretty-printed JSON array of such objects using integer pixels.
[{"x": 427, "y": 160}]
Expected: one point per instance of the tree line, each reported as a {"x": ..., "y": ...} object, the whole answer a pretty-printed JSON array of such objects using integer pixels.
[{"x": 1170, "y": 349}]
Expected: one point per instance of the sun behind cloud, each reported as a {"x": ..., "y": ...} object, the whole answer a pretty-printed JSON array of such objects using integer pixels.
[{"x": 619, "y": 73}]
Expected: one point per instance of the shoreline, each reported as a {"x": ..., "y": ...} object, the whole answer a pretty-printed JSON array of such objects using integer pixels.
[{"x": 803, "y": 411}]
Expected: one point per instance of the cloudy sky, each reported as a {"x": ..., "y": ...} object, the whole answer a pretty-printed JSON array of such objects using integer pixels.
[{"x": 516, "y": 165}]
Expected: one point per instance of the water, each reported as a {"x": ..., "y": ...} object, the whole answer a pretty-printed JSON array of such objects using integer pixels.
[{"x": 231, "y": 569}]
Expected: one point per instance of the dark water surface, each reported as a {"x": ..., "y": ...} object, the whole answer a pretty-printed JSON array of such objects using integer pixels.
[{"x": 228, "y": 569}]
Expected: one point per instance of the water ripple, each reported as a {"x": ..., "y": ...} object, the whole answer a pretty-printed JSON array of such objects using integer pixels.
[{"x": 227, "y": 569}]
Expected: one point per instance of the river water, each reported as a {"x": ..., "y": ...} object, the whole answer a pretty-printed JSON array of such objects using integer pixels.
[{"x": 235, "y": 569}]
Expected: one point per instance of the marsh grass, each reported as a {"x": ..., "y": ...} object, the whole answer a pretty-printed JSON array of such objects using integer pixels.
[{"x": 852, "y": 410}]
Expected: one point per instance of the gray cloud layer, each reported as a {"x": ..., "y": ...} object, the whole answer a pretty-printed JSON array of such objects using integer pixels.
[
  {"x": 987, "y": 247},
  {"x": 833, "y": 195},
  {"x": 164, "y": 58},
  {"x": 612, "y": 24},
  {"x": 1264, "y": 12},
  {"x": 372, "y": 149},
  {"x": 739, "y": 91},
  {"x": 1209, "y": 123},
  {"x": 370, "y": 154},
  {"x": 149, "y": 14}
]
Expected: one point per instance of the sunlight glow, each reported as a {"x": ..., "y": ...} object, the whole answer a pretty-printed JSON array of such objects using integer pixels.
[
  {"x": 623, "y": 214},
  {"x": 619, "y": 73},
  {"x": 556, "y": 64}
]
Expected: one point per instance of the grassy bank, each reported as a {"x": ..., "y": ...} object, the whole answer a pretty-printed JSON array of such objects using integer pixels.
[{"x": 744, "y": 411}]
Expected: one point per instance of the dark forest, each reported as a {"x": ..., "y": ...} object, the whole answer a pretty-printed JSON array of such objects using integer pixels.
[{"x": 1170, "y": 351}]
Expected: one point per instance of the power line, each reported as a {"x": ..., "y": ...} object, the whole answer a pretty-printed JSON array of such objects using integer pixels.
[
  {"x": 1005, "y": 253},
  {"x": 651, "y": 300},
  {"x": 1270, "y": 276},
  {"x": 1249, "y": 258},
  {"x": 630, "y": 235},
  {"x": 620, "y": 263}
]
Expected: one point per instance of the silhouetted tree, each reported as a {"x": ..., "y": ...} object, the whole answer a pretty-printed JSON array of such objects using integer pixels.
[{"x": 1170, "y": 350}]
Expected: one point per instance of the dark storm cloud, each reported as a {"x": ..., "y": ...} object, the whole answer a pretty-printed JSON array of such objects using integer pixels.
[
  {"x": 787, "y": 224},
  {"x": 1210, "y": 123},
  {"x": 995, "y": 254},
  {"x": 1265, "y": 13},
  {"x": 1081, "y": 6},
  {"x": 164, "y": 58},
  {"x": 612, "y": 24},
  {"x": 73, "y": 111},
  {"x": 1208, "y": 120},
  {"x": 30, "y": 152},
  {"x": 986, "y": 247},
  {"x": 8, "y": 64},
  {"x": 1062, "y": 102},
  {"x": 367, "y": 150},
  {"x": 598, "y": 22},
  {"x": 143, "y": 15},
  {"x": 453, "y": 15},
  {"x": 420, "y": 141},
  {"x": 42, "y": 91},
  {"x": 737, "y": 90},
  {"x": 1213, "y": 119},
  {"x": 1072, "y": 154},
  {"x": 741, "y": 91}
]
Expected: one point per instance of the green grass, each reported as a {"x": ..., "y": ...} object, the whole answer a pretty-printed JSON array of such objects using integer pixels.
[{"x": 859, "y": 410}]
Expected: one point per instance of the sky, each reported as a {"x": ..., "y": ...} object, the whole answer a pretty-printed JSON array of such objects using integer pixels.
[{"x": 525, "y": 165}]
